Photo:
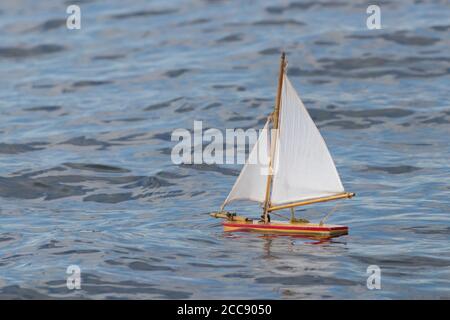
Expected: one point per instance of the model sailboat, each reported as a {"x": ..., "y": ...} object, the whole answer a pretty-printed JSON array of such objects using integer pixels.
[{"x": 300, "y": 171}]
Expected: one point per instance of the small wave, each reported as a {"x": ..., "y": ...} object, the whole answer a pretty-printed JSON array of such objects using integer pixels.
[
  {"x": 143, "y": 13},
  {"x": 20, "y": 52}
]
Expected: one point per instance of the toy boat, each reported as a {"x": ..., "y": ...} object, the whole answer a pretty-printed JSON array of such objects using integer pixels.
[{"x": 287, "y": 168}]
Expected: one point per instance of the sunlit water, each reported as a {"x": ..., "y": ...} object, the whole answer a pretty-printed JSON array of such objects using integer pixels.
[{"x": 86, "y": 118}]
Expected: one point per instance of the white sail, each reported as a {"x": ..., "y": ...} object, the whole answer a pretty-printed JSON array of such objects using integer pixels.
[
  {"x": 303, "y": 167},
  {"x": 252, "y": 181}
]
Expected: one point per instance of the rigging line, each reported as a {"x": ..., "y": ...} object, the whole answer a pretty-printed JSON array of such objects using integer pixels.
[
  {"x": 329, "y": 213},
  {"x": 280, "y": 215}
]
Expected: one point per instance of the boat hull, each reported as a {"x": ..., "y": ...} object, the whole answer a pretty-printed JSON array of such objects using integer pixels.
[{"x": 287, "y": 228}]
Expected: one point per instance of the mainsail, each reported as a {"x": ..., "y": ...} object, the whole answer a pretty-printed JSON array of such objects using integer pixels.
[
  {"x": 251, "y": 183},
  {"x": 303, "y": 167}
]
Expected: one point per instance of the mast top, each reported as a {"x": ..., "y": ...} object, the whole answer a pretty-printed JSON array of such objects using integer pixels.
[{"x": 283, "y": 62}]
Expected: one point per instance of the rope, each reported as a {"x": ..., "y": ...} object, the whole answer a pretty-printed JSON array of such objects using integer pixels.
[
  {"x": 329, "y": 213},
  {"x": 279, "y": 215}
]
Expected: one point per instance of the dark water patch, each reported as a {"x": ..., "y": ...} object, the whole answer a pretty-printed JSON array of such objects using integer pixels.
[
  {"x": 29, "y": 174},
  {"x": 375, "y": 122},
  {"x": 109, "y": 57},
  {"x": 165, "y": 136},
  {"x": 211, "y": 167},
  {"x": 231, "y": 38},
  {"x": 152, "y": 259},
  {"x": 53, "y": 244},
  {"x": 15, "y": 148},
  {"x": 43, "y": 86},
  {"x": 197, "y": 193},
  {"x": 114, "y": 180},
  {"x": 319, "y": 81},
  {"x": 19, "y": 52},
  {"x": 349, "y": 125},
  {"x": 373, "y": 67},
  {"x": 143, "y": 13},
  {"x": 130, "y": 137},
  {"x": 94, "y": 285},
  {"x": 212, "y": 105},
  {"x": 194, "y": 22},
  {"x": 240, "y": 118},
  {"x": 51, "y": 24},
  {"x": 375, "y": 113},
  {"x": 442, "y": 28},
  {"x": 161, "y": 195},
  {"x": 76, "y": 251},
  {"x": 307, "y": 280},
  {"x": 109, "y": 197},
  {"x": 15, "y": 256},
  {"x": 275, "y": 10},
  {"x": 148, "y": 183},
  {"x": 131, "y": 249},
  {"x": 210, "y": 265},
  {"x": 403, "y": 261},
  {"x": 304, "y": 5},
  {"x": 394, "y": 169},
  {"x": 44, "y": 108},
  {"x": 286, "y": 22},
  {"x": 18, "y": 293},
  {"x": 229, "y": 86},
  {"x": 319, "y": 115},
  {"x": 203, "y": 241},
  {"x": 325, "y": 4},
  {"x": 185, "y": 108},
  {"x": 142, "y": 266},
  {"x": 90, "y": 83},
  {"x": 400, "y": 37},
  {"x": 22, "y": 188},
  {"x": 429, "y": 230},
  {"x": 170, "y": 175},
  {"x": 270, "y": 51},
  {"x": 358, "y": 63},
  {"x": 399, "y": 74},
  {"x": 176, "y": 73},
  {"x": 430, "y": 52},
  {"x": 354, "y": 63},
  {"x": 61, "y": 186},
  {"x": 238, "y": 276},
  {"x": 95, "y": 167},
  {"x": 324, "y": 43},
  {"x": 125, "y": 120},
  {"x": 86, "y": 142},
  {"x": 256, "y": 100},
  {"x": 161, "y": 105},
  {"x": 296, "y": 72},
  {"x": 6, "y": 238},
  {"x": 437, "y": 120},
  {"x": 78, "y": 2},
  {"x": 113, "y": 262}
]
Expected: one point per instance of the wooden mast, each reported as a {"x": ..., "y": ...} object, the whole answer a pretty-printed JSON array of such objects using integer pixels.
[{"x": 275, "y": 119}]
